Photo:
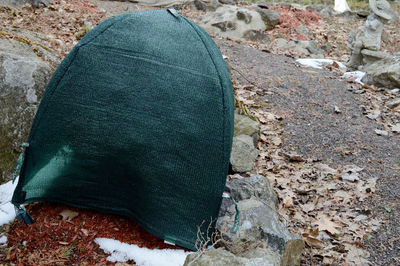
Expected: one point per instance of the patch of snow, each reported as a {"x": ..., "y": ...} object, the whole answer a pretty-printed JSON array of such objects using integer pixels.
[
  {"x": 318, "y": 63},
  {"x": 355, "y": 74},
  {"x": 3, "y": 241},
  {"x": 341, "y": 6},
  {"x": 122, "y": 252},
  {"x": 247, "y": 225},
  {"x": 7, "y": 212}
]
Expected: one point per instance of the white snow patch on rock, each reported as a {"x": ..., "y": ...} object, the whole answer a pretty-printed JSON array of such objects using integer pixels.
[
  {"x": 7, "y": 212},
  {"x": 318, "y": 63},
  {"x": 3, "y": 241},
  {"x": 358, "y": 75},
  {"x": 122, "y": 252}
]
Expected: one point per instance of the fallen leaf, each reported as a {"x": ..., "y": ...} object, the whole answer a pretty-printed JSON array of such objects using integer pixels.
[
  {"x": 357, "y": 256},
  {"x": 68, "y": 215},
  {"x": 325, "y": 223}
]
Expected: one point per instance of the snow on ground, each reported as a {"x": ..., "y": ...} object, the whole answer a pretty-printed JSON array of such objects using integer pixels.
[
  {"x": 7, "y": 212},
  {"x": 318, "y": 63},
  {"x": 358, "y": 75},
  {"x": 122, "y": 252},
  {"x": 3, "y": 241}
]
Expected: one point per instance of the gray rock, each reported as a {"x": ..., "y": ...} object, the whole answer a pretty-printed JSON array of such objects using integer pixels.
[
  {"x": 311, "y": 46},
  {"x": 280, "y": 43},
  {"x": 200, "y": 5},
  {"x": 316, "y": 8},
  {"x": 213, "y": 5},
  {"x": 362, "y": 13},
  {"x": 23, "y": 78},
  {"x": 303, "y": 47},
  {"x": 384, "y": 73},
  {"x": 303, "y": 30},
  {"x": 381, "y": 132},
  {"x": 243, "y": 15},
  {"x": 243, "y": 154},
  {"x": 221, "y": 257},
  {"x": 370, "y": 56},
  {"x": 232, "y": 21},
  {"x": 393, "y": 103},
  {"x": 20, "y": 3},
  {"x": 12, "y": 3},
  {"x": 263, "y": 4},
  {"x": 327, "y": 12},
  {"x": 244, "y": 125},
  {"x": 228, "y": 2},
  {"x": 257, "y": 36},
  {"x": 245, "y": 188},
  {"x": 259, "y": 225},
  {"x": 269, "y": 16}
]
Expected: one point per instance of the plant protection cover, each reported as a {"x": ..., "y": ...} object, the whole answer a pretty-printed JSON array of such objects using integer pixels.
[{"x": 137, "y": 121}]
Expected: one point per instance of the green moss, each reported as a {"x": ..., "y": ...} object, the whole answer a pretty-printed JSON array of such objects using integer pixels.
[
  {"x": 8, "y": 156},
  {"x": 24, "y": 41},
  {"x": 85, "y": 29}
]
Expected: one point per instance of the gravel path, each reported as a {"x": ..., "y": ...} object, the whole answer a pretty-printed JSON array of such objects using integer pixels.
[{"x": 306, "y": 100}]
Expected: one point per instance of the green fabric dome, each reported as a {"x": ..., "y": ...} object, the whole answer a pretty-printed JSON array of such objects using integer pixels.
[{"x": 137, "y": 121}]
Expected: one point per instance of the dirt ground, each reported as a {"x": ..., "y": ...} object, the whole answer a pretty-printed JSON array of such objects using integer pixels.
[{"x": 305, "y": 99}]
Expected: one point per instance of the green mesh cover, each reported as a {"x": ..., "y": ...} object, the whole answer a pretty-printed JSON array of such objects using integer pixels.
[{"x": 137, "y": 121}]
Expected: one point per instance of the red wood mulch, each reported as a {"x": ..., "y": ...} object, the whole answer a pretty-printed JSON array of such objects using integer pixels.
[
  {"x": 52, "y": 240},
  {"x": 291, "y": 19}
]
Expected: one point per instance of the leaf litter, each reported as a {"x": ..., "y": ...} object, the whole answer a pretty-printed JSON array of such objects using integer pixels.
[{"x": 316, "y": 200}]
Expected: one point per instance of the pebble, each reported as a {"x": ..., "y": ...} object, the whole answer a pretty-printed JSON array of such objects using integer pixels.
[
  {"x": 381, "y": 132},
  {"x": 393, "y": 104}
]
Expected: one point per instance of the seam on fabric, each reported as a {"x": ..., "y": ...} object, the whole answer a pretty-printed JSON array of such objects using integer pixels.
[
  {"x": 139, "y": 56},
  {"x": 220, "y": 82}
]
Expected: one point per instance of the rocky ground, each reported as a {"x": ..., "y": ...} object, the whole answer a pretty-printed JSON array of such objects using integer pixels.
[{"x": 329, "y": 146}]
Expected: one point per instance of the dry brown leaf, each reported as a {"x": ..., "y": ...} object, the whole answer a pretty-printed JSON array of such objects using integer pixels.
[
  {"x": 357, "y": 256},
  {"x": 68, "y": 215},
  {"x": 288, "y": 201},
  {"x": 325, "y": 223}
]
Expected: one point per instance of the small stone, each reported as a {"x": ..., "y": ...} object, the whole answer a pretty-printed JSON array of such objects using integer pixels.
[
  {"x": 244, "y": 125},
  {"x": 396, "y": 128},
  {"x": 337, "y": 110},
  {"x": 381, "y": 132},
  {"x": 228, "y": 2},
  {"x": 362, "y": 13},
  {"x": 393, "y": 104},
  {"x": 359, "y": 91}
]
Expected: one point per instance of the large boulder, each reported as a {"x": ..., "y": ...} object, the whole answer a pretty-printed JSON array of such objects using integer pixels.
[
  {"x": 384, "y": 73},
  {"x": 237, "y": 23},
  {"x": 259, "y": 223},
  {"x": 23, "y": 78}
]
